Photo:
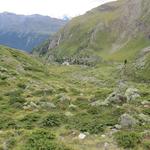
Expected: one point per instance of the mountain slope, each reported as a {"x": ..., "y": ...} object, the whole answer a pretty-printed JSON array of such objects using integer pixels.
[
  {"x": 26, "y": 32},
  {"x": 59, "y": 107},
  {"x": 113, "y": 31}
]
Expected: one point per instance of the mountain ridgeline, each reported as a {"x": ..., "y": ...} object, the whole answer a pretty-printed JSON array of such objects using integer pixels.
[
  {"x": 26, "y": 32},
  {"x": 114, "y": 31}
]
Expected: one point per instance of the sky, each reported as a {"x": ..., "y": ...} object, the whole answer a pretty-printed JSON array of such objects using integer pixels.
[{"x": 53, "y": 8}]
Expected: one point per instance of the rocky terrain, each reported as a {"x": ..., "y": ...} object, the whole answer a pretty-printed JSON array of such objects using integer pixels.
[
  {"x": 45, "y": 106},
  {"x": 88, "y": 90}
]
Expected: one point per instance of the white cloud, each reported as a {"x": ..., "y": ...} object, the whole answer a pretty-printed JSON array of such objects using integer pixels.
[{"x": 54, "y": 8}]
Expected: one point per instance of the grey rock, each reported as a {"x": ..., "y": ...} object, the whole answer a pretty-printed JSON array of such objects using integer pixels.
[
  {"x": 132, "y": 94},
  {"x": 47, "y": 105},
  {"x": 115, "y": 97},
  {"x": 117, "y": 126},
  {"x": 106, "y": 146},
  {"x": 100, "y": 103},
  {"x": 72, "y": 106},
  {"x": 65, "y": 63},
  {"x": 68, "y": 114},
  {"x": 127, "y": 121},
  {"x": 63, "y": 97},
  {"x": 82, "y": 136}
]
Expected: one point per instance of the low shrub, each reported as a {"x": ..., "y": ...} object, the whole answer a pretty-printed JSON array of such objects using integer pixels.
[
  {"x": 146, "y": 145},
  {"x": 11, "y": 142},
  {"x": 92, "y": 127},
  {"x": 43, "y": 140},
  {"x": 86, "y": 123},
  {"x": 14, "y": 93},
  {"x": 17, "y": 100},
  {"x": 7, "y": 122},
  {"x": 53, "y": 120},
  {"x": 128, "y": 139},
  {"x": 21, "y": 85},
  {"x": 29, "y": 121}
]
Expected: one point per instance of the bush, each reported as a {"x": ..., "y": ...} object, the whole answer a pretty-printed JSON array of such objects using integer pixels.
[
  {"x": 30, "y": 120},
  {"x": 146, "y": 111},
  {"x": 82, "y": 102},
  {"x": 92, "y": 127},
  {"x": 43, "y": 92},
  {"x": 128, "y": 139},
  {"x": 42, "y": 140},
  {"x": 85, "y": 123},
  {"x": 7, "y": 122},
  {"x": 53, "y": 120},
  {"x": 146, "y": 145},
  {"x": 21, "y": 85},
  {"x": 14, "y": 93},
  {"x": 11, "y": 142},
  {"x": 15, "y": 98}
]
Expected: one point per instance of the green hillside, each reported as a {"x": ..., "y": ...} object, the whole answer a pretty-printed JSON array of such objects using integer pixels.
[
  {"x": 87, "y": 88},
  {"x": 51, "y": 107},
  {"x": 113, "y": 31}
]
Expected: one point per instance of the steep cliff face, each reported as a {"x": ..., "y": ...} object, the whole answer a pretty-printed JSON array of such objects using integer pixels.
[
  {"x": 25, "y": 32},
  {"x": 114, "y": 31}
]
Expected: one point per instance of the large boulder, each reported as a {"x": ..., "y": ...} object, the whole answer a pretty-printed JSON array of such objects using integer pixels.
[
  {"x": 116, "y": 97},
  {"x": 127, "y": 121},
  {"x": 132, "y": 94}
]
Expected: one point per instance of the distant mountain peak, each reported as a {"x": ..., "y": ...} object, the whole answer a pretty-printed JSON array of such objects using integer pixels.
[{"x": 27, "y": 31}]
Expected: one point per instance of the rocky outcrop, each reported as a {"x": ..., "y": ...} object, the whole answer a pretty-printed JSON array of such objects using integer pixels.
[
  {"x": 132, "y": 94},
  {"x": 127, "y": 121}
]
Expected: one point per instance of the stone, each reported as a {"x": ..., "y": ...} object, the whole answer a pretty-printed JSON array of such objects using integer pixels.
[
  {"x": 1, "y": 131},
  {"x": 145, "y": 102},
  {"x": 115, "y": 97},
  {"x": 122, "y": 86},
  {"x": 117, "y": 126},
  {"x": 63, "y": 97},
  {"x": 66, "y": 63},
  {"x": 68, "y": 114},
  {"x": 132, "y": 94},
  {"x": 106, "y": 146},
  {"x": 82, "y": 136},
  {"x": 47, "y": 105},
  {"x": 33, "y": 105},
  {"x": 144, "y": 117},
  {"x": 72, "y": 106},
  {"x": 127, "y": 121},
  {"x": 100, "y": 103},
  {"x": 103, "y": 135},
  {"x": 28, "y": 107}
]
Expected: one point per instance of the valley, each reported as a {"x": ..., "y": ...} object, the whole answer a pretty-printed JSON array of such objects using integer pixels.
[{"x": 87, "y": 87}]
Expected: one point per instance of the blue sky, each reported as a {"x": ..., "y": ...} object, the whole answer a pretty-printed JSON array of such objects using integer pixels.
[{"x": 54, "y": 8}]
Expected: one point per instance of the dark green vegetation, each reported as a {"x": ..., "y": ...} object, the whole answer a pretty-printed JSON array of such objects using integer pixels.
[
  {"x": 27, "y": 32},
  {"x": 128, "y": 139},
  {"x": 103, "y": 104},
  {"x": 112, "y": 31},
  {"x": 44, "y": 106}
]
